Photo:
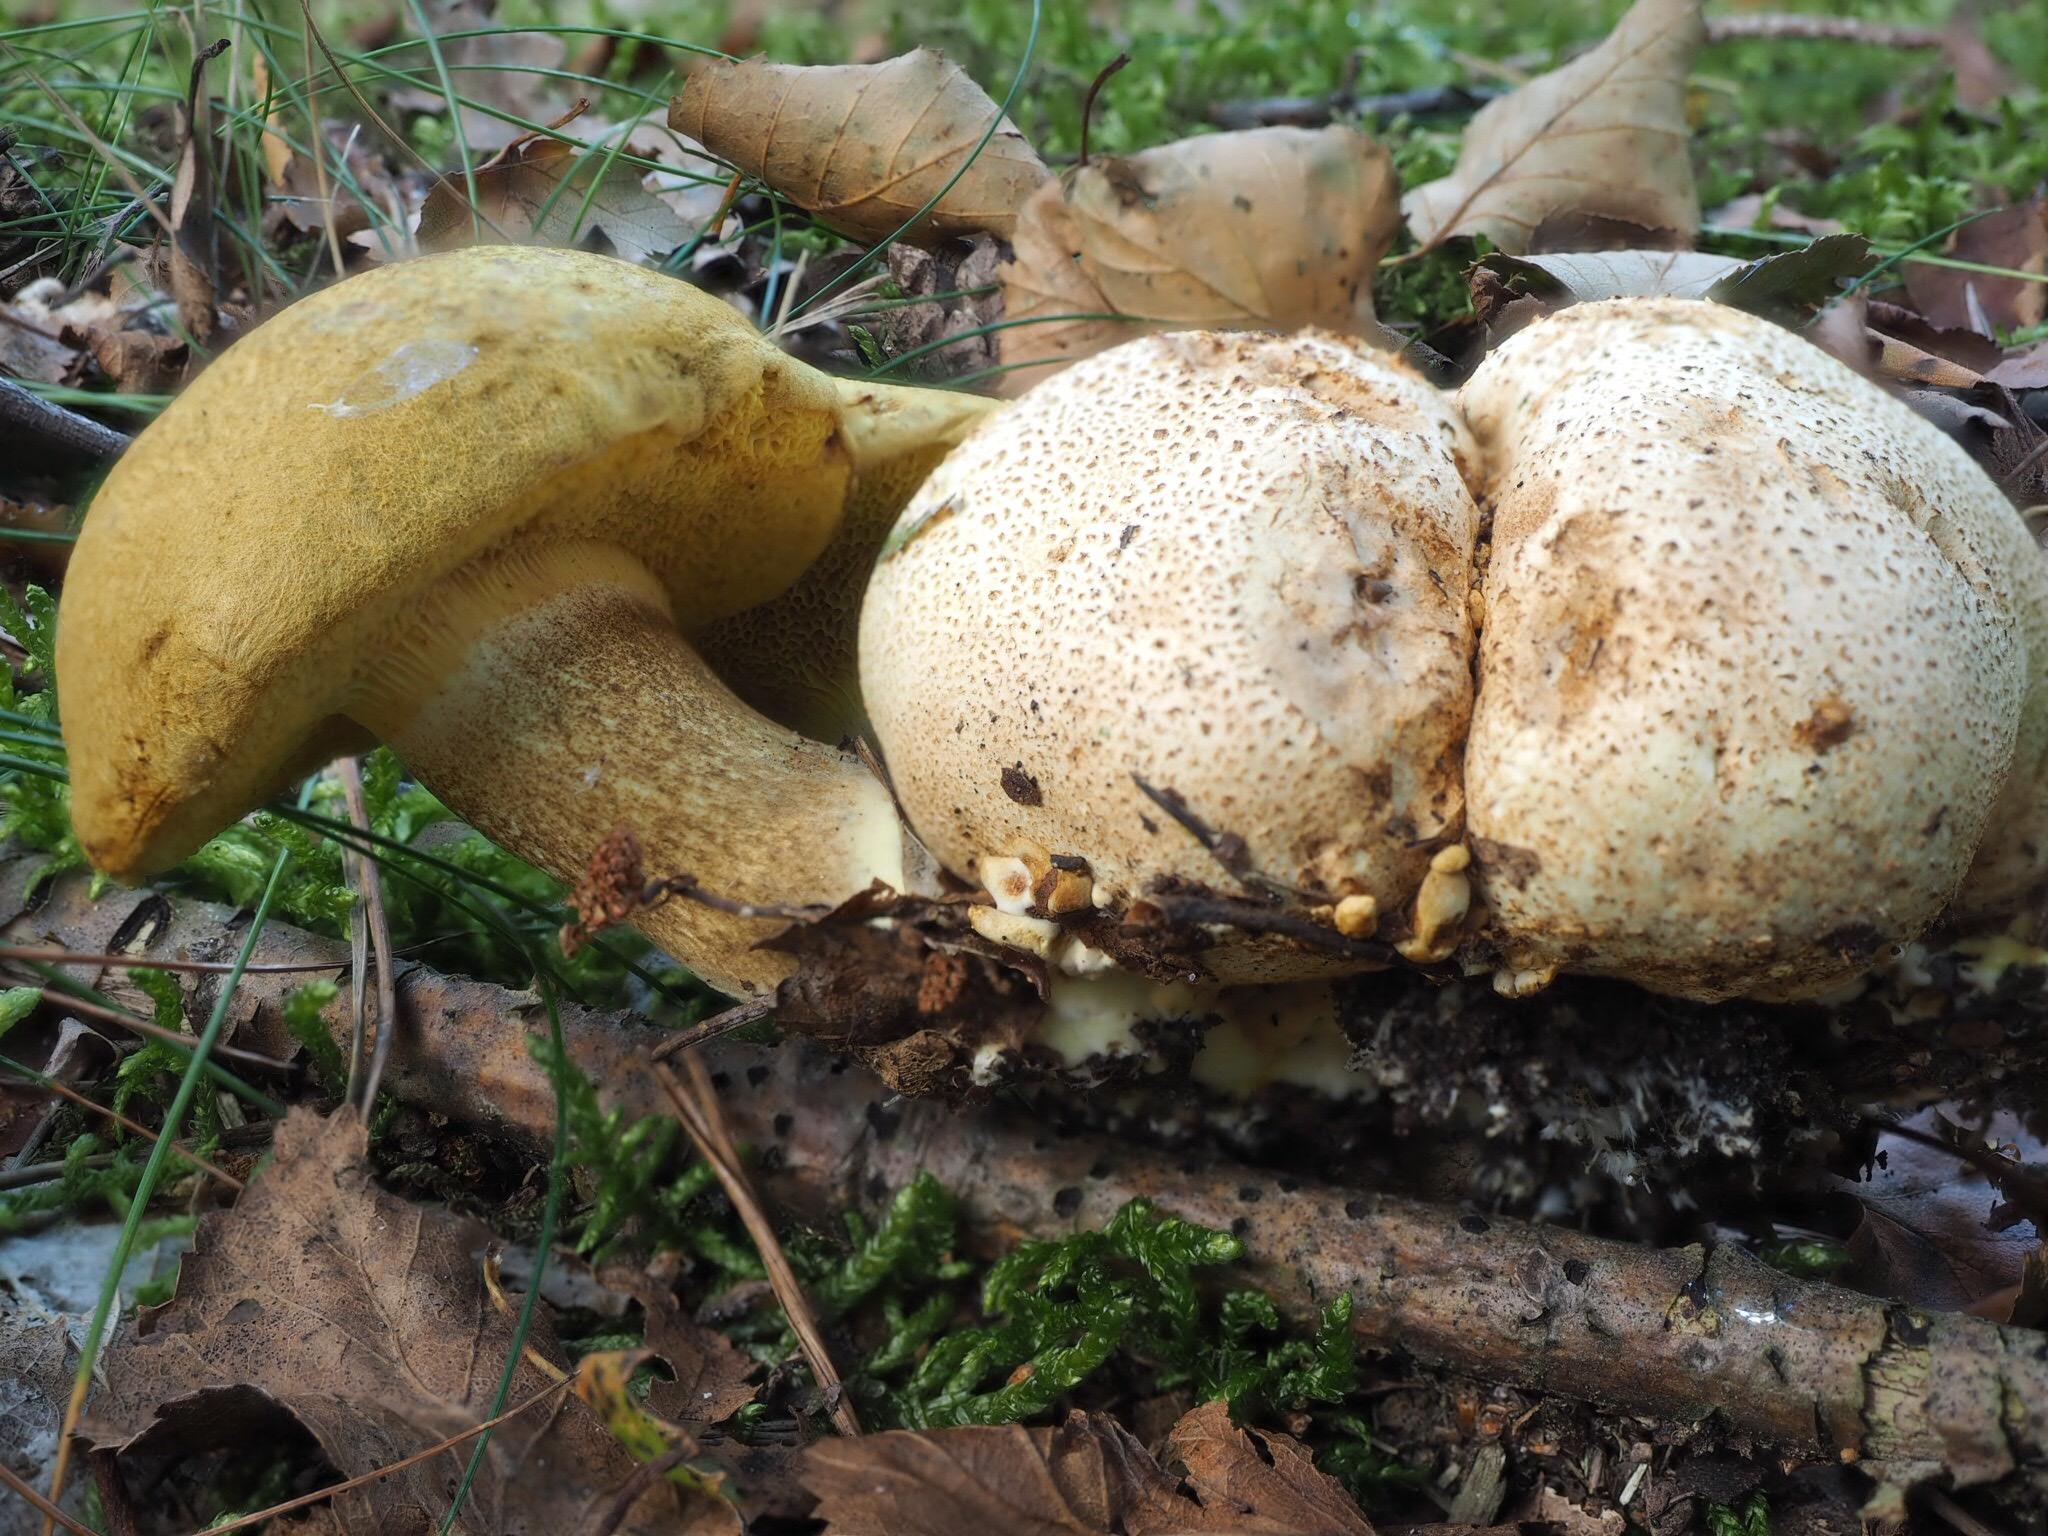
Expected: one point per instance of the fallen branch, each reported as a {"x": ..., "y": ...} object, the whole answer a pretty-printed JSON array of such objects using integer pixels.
[
  {"x": 53, "y": 428},
  {"x": 1681, "y": 1334},
  {"x": 1340, "y": 106}
]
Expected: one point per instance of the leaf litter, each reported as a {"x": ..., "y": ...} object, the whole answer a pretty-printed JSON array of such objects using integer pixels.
[
  {"x": 317, "y": 1265},
  {"x": 1084, "y": 1477},
  {"x": 1184, "y": 236},
  {"x": 863, "y": 147},
  {"x": 366, "y": 1320},
  {"x": 1605, "y": 135}
]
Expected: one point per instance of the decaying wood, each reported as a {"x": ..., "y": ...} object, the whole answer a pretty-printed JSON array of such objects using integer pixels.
[
  {"x": 1682, "y": 1334},
  {"x": 54, "y": 429}
]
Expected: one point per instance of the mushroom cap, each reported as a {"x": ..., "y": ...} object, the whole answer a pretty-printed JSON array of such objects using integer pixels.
[
  {"x": 1749, "y": 676},
  {"x": 1232, "y": 566},
  {"x": 247, "y": 563}
]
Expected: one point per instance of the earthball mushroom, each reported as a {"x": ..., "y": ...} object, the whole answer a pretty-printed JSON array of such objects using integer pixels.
[
  {"x": 1757, "y": 639},
  {"x": 1198, "y": 581},
  {"x": 479, "y": 505},
  {"x": 1195, "y": 630}
]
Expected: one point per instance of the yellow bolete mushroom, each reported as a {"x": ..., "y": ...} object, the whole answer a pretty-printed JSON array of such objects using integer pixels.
[{"x": 479, "y": 506}]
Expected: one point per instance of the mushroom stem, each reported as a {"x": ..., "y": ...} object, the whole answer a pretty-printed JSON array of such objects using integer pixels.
[{"x": 567, "y": 658}]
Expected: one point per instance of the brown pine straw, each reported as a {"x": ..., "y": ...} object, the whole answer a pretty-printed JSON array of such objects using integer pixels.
[
  {"x": 697, "y": 1107},
  {"x": 200, "y": 967},
  {"x": 52, "y": 1515},
  {"x": 367, "y": 919}
]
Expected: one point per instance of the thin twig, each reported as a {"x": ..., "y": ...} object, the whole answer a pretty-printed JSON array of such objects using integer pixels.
[
  {"x": 1822, "y": 29},
  {"x": 50, "y": 1512},
  {"x": 1958, "y": 1516},
  {"x": 73, "y": 1004},
  {"x": 64, "y": 1090},
  {"x": 739, "y": 1016},
  {"x": 698, "y": 1108},
  {"x": 23, "y": 1175},
  {"x": 202, "y": 967},
  {"x": 382, "y": 1472},
  {"x": 1315, "y": 111}
]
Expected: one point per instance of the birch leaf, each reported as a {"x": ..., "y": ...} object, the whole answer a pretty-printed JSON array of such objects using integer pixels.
[
  {"x": 1272, "y": 228},
  {"x": 862, "y": 147},
  {"x": 1603, "y": 135}
]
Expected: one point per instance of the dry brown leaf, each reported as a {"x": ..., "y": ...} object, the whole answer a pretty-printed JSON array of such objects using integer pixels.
[
  {"x": 194, "y": 257},
  {"x": 1087, "y": 1477},
  {"x": 367, "y": 1320},
  {"x": 2024, "y": 369},
  {"x": 711, "y": 1375},
  {"x": 1253, "y": 1481},
  {"x": 1270, "y": 228},
  {"x": 2015, "y": 238},
  {"x": 137, "y": 362},
  {"x": 1605, "y": 135},
  {"x": 950, "y": 321},
  {"x": 1744, "y": 212},
  {"x": 538, "y": 190},
  {"x": 862, "y": 147},
  {"x": 1927, "y": 1237}
]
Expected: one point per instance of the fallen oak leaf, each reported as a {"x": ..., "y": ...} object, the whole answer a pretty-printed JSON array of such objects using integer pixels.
[
  {"x": 863, "y": 147},
  {"x": 1269, "y": 228},
  {"x": 1929, "y": 1234},
  {"x": 1085, "y": 1477},
  {"x": 1250, "y": 1480},
  {"x": 1605, "y": 134},
  {"x": 366, "y": 1320},
  {"x": 534, "y": 191},
  {"x": 2015, "y": 238},
  {"x": 507, "y": 75},
  {"x": 709, "y": 1374}
]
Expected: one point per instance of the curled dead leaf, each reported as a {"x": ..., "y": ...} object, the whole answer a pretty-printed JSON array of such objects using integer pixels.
[
  {"x": 1605, "y": 135},
  {"x": 1271, "y": 228},
  {"x": 863, "y": 147},
  {"x": 365, "y": 1319},
  {"x": 544, "y": 191}
]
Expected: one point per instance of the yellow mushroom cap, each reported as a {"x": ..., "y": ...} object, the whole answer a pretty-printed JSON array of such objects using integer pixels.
[
  {"x": 245, "y": 566},
  {"x": 1231, "y": 566},
  {"x": 1750, "y": 674}
]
